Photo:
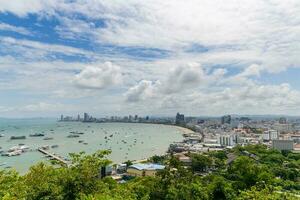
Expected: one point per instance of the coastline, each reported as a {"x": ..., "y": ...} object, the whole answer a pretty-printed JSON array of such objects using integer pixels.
[
  {"x": 180, "y": 128},
  {"x": 184, "y": 130}
]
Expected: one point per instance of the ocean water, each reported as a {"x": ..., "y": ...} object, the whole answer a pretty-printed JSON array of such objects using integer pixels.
[{"x": 128, "y": 141}]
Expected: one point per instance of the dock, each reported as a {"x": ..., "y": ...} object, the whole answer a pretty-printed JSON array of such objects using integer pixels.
[{"x": 53, "y": 156}]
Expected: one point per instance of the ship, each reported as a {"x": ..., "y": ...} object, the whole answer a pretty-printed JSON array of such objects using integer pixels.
[{"x": 18, "y": 137}]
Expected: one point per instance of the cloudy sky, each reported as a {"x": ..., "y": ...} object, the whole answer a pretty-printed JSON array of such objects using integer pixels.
[{"x": 152, "y": 57}]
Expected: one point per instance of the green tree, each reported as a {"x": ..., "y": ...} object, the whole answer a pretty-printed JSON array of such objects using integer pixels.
[{"x": 200, "y": 163}]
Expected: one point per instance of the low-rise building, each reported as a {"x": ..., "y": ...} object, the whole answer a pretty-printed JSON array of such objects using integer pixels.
[
  {"x": 283, "y": 144},
  {"x": 141, "y": 169}
]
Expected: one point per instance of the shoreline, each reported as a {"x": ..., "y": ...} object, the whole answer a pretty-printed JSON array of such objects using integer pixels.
[{"x": 180, "y": 128}]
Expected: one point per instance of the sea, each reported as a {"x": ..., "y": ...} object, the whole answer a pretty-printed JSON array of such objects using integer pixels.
[{"x": 127, "y": 141}]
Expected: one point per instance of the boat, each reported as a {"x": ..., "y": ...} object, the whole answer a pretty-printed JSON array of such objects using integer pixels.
[
  {"x": 75, "y": 132},
  {"x": 46, "y": 147},
  {"x": 85, "y": 143},
  {"x": 14, "y": 153},
  {"x": 72, "y": 136},
  {"x": 2, "y": 164},
  {"x": 54, "y": 146},
  {"x": 22, "y": 148},
  {"x": 48, "y": 138},
  {"x": 18, "y": 137},
  {"x": 2, "y": 135},
  {"x": 80, "y": 141},
  {"x": 14, "y": 148},
  {"x": 37, "y": 135}
]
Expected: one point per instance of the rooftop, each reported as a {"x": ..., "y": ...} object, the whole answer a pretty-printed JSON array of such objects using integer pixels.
[{"x": 147, "y": 166}]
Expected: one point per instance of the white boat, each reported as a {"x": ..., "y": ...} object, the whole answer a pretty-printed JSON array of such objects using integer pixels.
[
  {"x": 15, "y": 153},
  {"x": 21, "y": 148},
  {"x": 14, "y": 148},
  {"x": 24, "y": 148}
]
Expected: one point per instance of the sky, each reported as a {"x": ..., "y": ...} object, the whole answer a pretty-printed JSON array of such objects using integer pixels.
[{"x": 152, "y": 57}]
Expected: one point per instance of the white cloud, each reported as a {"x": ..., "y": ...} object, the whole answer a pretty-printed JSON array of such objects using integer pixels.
[
  {"x": 99, "y": 77},
  {"x": 8, "y": 27},
  {"x": 252, "y": 70},
  {"x": 142, "y": 91},
  {"x": 254, "y": 37},
  {"x": 22, "y": 8}
]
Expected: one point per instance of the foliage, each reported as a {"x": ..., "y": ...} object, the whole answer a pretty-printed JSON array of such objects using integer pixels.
[{"x": 256, "y": 173}]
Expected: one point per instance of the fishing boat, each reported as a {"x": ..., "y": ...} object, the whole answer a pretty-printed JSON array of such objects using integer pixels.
[{"x": 18, "y": 137}]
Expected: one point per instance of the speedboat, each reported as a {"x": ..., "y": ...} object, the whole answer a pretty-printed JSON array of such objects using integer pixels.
[
  {"x": 72, "y": 136},
  {"x": 48, "y": 138},
  {"x": 37, "y": 135}
]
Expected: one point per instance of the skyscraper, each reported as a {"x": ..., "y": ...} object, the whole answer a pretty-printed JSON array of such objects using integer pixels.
[
  {"x": 179, "y": 118},
  {"x": 86, "y": 117},
  {"x": 226, "y": 119}
]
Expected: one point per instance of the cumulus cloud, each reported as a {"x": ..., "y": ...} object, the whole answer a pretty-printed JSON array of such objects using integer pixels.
[
  {"x": 179, "y": 79},
  {"x": 99, "y": 76},
  {"x": 252, "y": 70},
  {"x": 218, "y": 52},
  {"x": 142, "y": 91}
]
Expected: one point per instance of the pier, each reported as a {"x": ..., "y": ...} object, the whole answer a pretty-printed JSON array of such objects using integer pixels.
[{"x": 53, "y": 156}]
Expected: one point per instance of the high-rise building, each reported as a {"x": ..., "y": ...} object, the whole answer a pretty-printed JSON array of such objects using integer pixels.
[
  {"x": 78, "y": 117},
  {"x": 270, "y": 135},
  {"x": 282, "y": 120},
  {"x": 228, "y": 139},
  {"x": 86, "y": 117},
  {"x": 179, "y": 118},
  {"x": 226, "y": 119},
  {"x": 62, "y": 118}
]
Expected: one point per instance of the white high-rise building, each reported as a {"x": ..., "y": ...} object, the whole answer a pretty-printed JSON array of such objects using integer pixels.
[
  {"x": 270, "y": 135},
  {"x": 228, "y": 139}
]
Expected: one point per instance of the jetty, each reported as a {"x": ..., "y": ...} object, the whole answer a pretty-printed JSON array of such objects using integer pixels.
[{"x": 53, "y": 156}]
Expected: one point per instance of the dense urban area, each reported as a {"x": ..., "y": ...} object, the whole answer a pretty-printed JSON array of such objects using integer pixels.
[{"x": 232, "y": 157}]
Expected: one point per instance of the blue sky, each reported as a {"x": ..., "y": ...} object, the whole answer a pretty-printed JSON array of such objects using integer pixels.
[{"x": 149, "y": 58}]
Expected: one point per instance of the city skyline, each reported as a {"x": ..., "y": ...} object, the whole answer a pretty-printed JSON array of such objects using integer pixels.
[{"x": 200, "y": 58}]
